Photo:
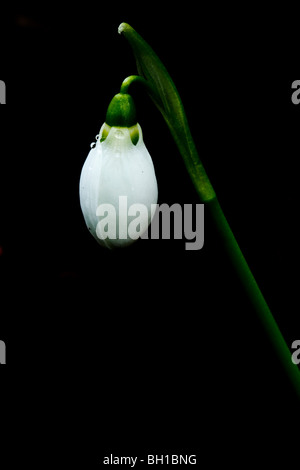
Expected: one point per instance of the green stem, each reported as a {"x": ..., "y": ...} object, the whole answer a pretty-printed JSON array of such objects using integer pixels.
[
  {"x": 133, "y": 79},
  {"x": 253, "y": 291},
  {"x": 165, "y": 96},
  {"x": 207, "y": 195}
]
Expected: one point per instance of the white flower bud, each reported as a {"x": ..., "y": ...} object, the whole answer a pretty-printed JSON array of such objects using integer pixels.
[{"x": 117, "y": 186}]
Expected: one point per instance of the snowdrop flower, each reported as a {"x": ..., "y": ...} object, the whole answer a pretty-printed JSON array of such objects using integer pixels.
[{"x": 118, "y": 187}]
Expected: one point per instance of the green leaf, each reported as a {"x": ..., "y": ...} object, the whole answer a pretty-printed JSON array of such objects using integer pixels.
[{"x": 164, "y": 94}]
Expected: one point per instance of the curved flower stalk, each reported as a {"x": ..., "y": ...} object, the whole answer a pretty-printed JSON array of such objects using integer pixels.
[
  {"x": 165, "y": 96},
  {"x": 118, "y": 187}
]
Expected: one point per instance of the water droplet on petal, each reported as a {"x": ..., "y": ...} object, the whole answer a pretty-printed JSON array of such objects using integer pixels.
[
  {"x": 93, "y": 144},
  {"x": 119, "y": 135}
]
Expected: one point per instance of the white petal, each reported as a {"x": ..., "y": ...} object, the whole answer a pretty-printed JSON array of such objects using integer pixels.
[
  {"x": 89, "y": 188},
  {"x": 117, "y": 168}
]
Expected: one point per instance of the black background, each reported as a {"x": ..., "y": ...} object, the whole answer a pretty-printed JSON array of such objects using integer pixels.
[{"x": 151, "y": 348}]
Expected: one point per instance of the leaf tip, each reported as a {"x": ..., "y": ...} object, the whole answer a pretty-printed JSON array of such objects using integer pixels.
[{"x": 122, "y": 27}]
